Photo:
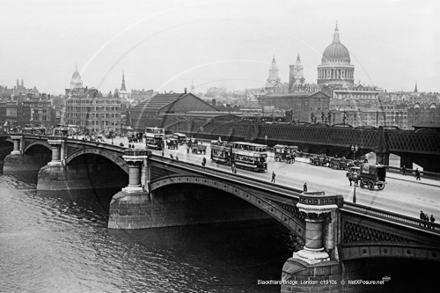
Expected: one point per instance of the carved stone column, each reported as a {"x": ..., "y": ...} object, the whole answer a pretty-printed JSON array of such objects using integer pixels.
[
  {"x": 56, "y": 145},
  {"x": 135, "y": 158},
  {"x": 317, "y": 207},
  {"x": 17, "y": 139}
]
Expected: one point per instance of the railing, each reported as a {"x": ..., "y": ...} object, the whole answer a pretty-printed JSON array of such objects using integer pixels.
[
  {"x": 288, "y": 192},
  {"x": 428, "y": 227}
]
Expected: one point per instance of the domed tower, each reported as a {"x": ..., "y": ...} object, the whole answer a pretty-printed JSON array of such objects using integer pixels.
[
  {"x": 335, "y": 68},
  {"x": 76, "y": 81}
]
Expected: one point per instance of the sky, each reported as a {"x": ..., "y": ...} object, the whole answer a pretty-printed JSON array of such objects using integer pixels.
[{"x": 168, "y": 45}]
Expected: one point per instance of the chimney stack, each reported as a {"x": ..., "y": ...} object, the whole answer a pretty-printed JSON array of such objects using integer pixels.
[{"x": 185, "y": 91}]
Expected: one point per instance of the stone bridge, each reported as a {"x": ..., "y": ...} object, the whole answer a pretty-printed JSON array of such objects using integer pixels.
[{"x": 336, "y": 234}]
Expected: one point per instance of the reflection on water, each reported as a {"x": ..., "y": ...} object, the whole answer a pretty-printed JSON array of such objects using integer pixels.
[{"x": 58, "y": 242}]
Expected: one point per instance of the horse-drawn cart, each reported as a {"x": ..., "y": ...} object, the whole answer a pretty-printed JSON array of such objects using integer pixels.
[
  {"x": 372, "y": 175},
  {"x": 320, "y": 160},
  {"x": 198, "y": 148}
]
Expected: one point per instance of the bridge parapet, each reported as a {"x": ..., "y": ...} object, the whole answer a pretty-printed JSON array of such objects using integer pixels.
[{"x": 362, "y": 223}]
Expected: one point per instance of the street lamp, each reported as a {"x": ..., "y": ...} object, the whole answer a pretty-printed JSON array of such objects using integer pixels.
[
  {"x": 354, "y": 192},
  {"x": 354, "y": 149}
]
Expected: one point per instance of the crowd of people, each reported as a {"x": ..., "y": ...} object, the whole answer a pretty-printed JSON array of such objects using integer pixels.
[{"x": 427, "y": 218}]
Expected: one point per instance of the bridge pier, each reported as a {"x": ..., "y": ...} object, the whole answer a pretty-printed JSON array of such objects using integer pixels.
[
  {"x": 318, "y": 260},
  {"x": 130, "y": 207},
  {"x": 407, "y": 161},
  {"x": 56, "y": 146},
  {"x": 18, "y": 143},
  {"x": 17, "y": 161},
  {"x": 383, "y": 158}
]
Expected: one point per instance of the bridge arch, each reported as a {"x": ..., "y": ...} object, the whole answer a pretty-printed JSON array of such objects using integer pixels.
[
  {"x": 95, "y": 151},
  {"x": 288, "y": 218},
  {"x": 34, "y": 143}
]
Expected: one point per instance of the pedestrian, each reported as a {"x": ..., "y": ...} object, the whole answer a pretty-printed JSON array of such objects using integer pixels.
[
  {"x": 432, "y": 218},
  {"x": 273, "y": 177},
  {"x": 163, "y": 153},
  {"x": 305, "y": 187},
  {"x": 422, "y": 216},
  {"x": 417, "y": 174},
  {"x": 204, "y": 162},
  {"x": 177, "y": 158},
  {"x": 403, "y": 170},
  {"x": 187, "y": 150}
]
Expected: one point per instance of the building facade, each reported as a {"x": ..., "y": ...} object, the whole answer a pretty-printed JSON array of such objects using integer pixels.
[
  {"x": 304, "y": 107},
  {"x": 90, "y": 110}
]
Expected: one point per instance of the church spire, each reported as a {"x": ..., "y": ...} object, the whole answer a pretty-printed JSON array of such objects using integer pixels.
[
  {"x": 336, "y": 34},
  {"x": 415, "y": 89},
  {"x": 123, "y": 88},
  {"x": 273, "y": 74}
]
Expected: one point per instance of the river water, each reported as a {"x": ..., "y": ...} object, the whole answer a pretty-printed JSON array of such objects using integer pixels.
[{"x": 60, "y": 243}]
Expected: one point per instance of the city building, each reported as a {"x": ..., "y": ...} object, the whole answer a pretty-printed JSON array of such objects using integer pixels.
[
  {"x": 303, "y": 106},
  {"x": 423, "y": 113},
  {"x": 335, "y": 68},
  {"x": 141, "y": 95},
  {"x": 20, "y": 110},
  {"x": 214, "y": 92},
  {"x": 41, "y": 110},
  {"x": 89, "y": 109},
  {"x": 164, "y": 104},
  {"x": 357, "y": 92}
]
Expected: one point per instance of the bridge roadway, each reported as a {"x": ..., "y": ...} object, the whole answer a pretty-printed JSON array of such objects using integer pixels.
[{"x": 402, "y": 194}]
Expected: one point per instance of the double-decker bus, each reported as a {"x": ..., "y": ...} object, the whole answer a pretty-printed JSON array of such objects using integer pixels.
[
  {"x": 221, "y": 152},
  {"x": 154, "y": 137},
  {"x": 61, "y": 130},
  {"x": 250, "y": 156}
]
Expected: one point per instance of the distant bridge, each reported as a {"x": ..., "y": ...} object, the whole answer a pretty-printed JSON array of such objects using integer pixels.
[{"x": 422, "y": 148}]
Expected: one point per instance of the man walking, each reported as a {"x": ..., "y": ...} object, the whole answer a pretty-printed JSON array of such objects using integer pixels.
[
  {"x": 273, "y": 177},
  {"x": 417, "y": 174}
]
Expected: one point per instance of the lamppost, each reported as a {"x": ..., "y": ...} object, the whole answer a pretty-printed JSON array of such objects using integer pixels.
[
  {"x": 354, "y": 149},
  {"x": 354, "y": 192}
]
